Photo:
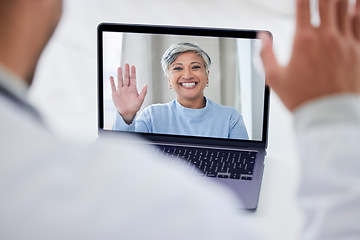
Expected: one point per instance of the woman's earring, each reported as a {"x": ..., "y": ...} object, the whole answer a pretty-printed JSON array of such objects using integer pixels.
[
  {"x": 170, "y": 86},
  {"x": 207, "y": 85}
]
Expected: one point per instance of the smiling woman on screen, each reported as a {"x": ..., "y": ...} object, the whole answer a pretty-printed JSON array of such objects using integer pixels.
[{"x": 186, "y": 67}]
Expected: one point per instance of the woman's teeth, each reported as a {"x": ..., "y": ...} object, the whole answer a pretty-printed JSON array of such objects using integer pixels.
[{"x": 188, "y": 84}]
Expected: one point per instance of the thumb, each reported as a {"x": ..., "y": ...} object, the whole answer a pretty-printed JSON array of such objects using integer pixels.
[
  {"x": 271, "y": 65},
  {"x": 143, "y": 92}
]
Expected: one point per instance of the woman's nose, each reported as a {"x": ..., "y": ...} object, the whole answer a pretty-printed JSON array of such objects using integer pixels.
[{"x": 187, "y": 74}]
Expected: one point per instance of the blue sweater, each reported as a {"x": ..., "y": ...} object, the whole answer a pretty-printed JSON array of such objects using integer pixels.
[{"x": 213, "y": 120}]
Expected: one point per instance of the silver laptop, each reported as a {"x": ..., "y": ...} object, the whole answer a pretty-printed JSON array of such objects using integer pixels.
[{"x": 225, "y": 140}]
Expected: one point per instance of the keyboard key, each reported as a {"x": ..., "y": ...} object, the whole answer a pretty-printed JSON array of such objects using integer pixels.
[
  {"x": 223, "y": 176},
  {"x": 222, "y": 170},
  {"x": 246, "y": 178},
  {"x": 211, "y": 174},
  {"x": 211, "y": 169},
  {"x": 235, "y": 176}
]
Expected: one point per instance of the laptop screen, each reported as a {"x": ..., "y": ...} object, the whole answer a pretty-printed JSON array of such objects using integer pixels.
[{"x": 202, "y": 85}]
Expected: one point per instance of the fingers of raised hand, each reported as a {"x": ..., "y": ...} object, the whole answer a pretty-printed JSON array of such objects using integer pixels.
[
  {"x": 334, "y": 16},
  {"x": 342, "y": 16},
  {"x": 129, "y": 76},
  {"x": 126, "y": 75},
  {"x": 327, "y": 12},
  {"x": 133, "y": 76},
  {"x": 112, "y": 83},
  {"x": 271, "y": 65},
  {"x": 355, "y": 21},
  {"x": 120, "y": 77},
  {"x": 303, "y": 18},
  {"x": 119, "y": 80}
]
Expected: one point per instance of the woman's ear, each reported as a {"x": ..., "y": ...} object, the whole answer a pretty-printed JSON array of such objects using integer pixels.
[{"x": 170, "y": 85}]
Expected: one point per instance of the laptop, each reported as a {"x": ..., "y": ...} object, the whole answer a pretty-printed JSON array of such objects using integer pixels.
[{"x": 232, "y": 148}]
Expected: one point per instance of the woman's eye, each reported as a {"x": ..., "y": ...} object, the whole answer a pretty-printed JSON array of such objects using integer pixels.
[
  {"x": 177, "y": 69},
  {"x": 196, "y": 67}
]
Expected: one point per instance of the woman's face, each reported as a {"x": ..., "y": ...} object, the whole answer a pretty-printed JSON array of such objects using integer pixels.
[{"x": 188, "y": 77}]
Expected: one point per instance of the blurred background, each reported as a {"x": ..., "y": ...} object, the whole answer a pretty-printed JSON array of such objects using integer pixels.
[{"x": 68, "y": 100}]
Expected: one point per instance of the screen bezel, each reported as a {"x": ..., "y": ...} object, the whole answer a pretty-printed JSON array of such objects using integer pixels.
[{"x": 179, "y": 30}]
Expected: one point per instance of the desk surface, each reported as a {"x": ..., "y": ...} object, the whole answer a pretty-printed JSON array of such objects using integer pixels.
[{"x": 278, "y": 213}]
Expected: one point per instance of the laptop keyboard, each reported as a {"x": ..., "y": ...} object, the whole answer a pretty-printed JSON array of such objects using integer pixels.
[{"x": 213, "y": 162}]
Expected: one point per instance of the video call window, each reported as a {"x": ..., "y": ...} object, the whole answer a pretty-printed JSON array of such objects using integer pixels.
[{"x": 234, "y": 81}]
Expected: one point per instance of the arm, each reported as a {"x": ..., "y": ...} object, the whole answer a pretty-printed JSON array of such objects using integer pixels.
[
  {"x": 321, "y": 85},
  {"x": 140, "y": 123},
  {"x": 121, "y": 125},
  {"x": 328, "y": 136}
]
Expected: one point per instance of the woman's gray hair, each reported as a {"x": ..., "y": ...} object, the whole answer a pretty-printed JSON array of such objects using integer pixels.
[{"x": 178, "y": 48}]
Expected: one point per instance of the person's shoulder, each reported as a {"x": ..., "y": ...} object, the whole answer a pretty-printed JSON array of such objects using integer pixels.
[{"x": 222, "y": 108}]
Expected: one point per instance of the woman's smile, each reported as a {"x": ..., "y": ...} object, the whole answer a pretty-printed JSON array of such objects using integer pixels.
[{"x": 189, "y": 85}]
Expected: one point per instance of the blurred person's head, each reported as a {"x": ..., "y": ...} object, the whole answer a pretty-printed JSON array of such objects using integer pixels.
[
  {"x": 25, "y": 28},
  {"x": 186, "y": 67}
]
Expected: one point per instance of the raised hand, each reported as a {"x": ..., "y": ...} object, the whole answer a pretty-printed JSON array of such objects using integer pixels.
[
  {"x": 126, "y": 98},
  {"x": 325, "y": 59}
]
